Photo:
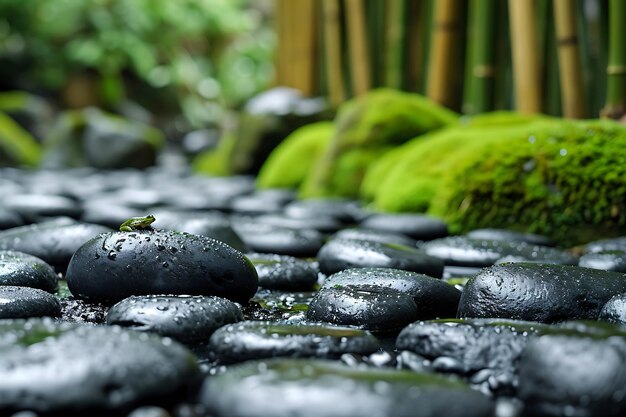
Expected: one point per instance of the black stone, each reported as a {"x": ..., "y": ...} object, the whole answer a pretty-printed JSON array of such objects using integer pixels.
[
  {"x": 417, "y": 226},
  {"x": 307, "y": 388},
  {"x": 577, "y": 376},
  {"x": 345, "y": 211},
  {"x": 604, "y": 245},
  {"x": 37, "y": 207},
  {"x": 608, "y": 261},
  {"x": 114, "y": 266},
  {"x": 54, "y": 242},
  {"x": 264, "y": 339},
  {"x": 188, "y": 319},
  {"x": 24, "y": 270},
  {"x": 72, "y": 369},
  {"x": 463, "y": 251},
  {"x": 281, "y": 272},
  {"x": 9, "y": 219},
  {"x": 434, "y": 298},
  {"x": 614, "y": 311},
  {"x": 25, "y": 302},
  {"x": 535, "y": 292},
  {"x": 266, "y": 238},
  {"x": 375, "y": 236},
  {"x": 340, "y": 254},
  {"x": 510, "y": 235},
  {"x": 321, "y": 223},
  {"x": 376, "y": 309}
]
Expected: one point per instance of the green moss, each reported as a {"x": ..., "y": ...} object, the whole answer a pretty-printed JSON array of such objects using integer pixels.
[
  {"x": 216, "y": 161},
  {"x": 501, "y": 118},
  {"x": 370, "y": 126},
  {"x": 289, "y": 163},
  {"x": 17, "y": 146}
]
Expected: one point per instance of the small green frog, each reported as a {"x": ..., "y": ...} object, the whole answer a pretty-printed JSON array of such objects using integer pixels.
[{"x": 137, "y": 223}]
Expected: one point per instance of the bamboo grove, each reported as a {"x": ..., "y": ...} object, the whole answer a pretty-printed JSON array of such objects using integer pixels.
[{"x": 559, "y": 57}]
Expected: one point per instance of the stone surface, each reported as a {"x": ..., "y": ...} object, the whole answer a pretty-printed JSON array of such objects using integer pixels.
[
  {"x": 535, "y": 292},
  {"x": 74, "y": 369},
  {"x": 263, "y": 339},
  {"x": 37, "y": 207},
  {"x": 24, "y": 270},
  {"x": 281, "y": 272},
  {"x": 376, "y": 309},
  {"x": 434, "y": 298},
  {"x": 339, "y": 254},
  {"x": 362, "y": 233},
  {"x": 266, "y": 238},
  {"x": 608, "y": 261},
  {"x": 614, "y": 311},
  {"x": 417, "y": 226},
  {"x": 25, "y": 302},
  {"x": 188, "y": 319},
  {"x": 287, "y": 387},
  {"x": 114, "y": 266},
  {"x": 509, "y": 235}
]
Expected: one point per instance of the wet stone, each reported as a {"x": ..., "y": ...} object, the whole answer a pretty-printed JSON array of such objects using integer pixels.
[
  {"x": 608, "y": 261},
  {"x": 72, "y": 369},
  {"x": 9, "y": 218},
  {"x": 509, "y": 235},
  {"x": 345, "y": 211},
  {"x": 434, "y": 298},
  {"x": 573, "y": 376},
  {"x": 24, "y": 270},
  {"x": 257, "y": 203},
  {"x": 259, "y": 340},
  {"x": 268, "y": 238},
  {"x": 535, "y": 292},
  {"x": 306, "y": 388},
  {"x": 281, "y": 272},
  {"x": 340, "y": 254},
  {"x": 79, "y": 311},
  {"x": 114, "y": 266},
  {"x": 36, "y": 207},
  {"x": 278, "y": 305},
  {"x": 25, "y": 302},
  {"x": 53, "y": 241},
  {"x": 360, "y": 233},
  {"x": 416, "y": 226},
  {"x": 614, "y": 311},
  {"x": 605, "y": 245},
  {"x": 188, "y": 319},
  {"x": 463, "y": 251},
  {"x": 321, "y": 223},
  {"x": 374, "y": 308}
]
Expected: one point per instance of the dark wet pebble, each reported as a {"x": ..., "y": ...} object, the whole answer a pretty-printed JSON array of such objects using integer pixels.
[
  {"x": 573, "y": 376},
  {"x": 79, "y": 311},
  {"x": 9, "y": 218},
  {"x": 536, "y": 292},
  {"x": 211, "y": 224},
  {"x": 510, "y": 235},
  {"x": 606, "y": 245},
  {"x": 434, "y": 298},
  {"x": 339, "y": 254},
  {"x": 614, "y": 311},
  {"x": 608, "y": 261},
  {"x": 37, "y": 207},
  {"x": 72, "y": 369},
  {"x": 321, "y": 223},
  {"x": 53, "y": 241},
  {"x": 188, "y": 319},
  {"x": 24, "y": 270},
  {"x": 114, "y": 266},
  {"x": 360, "y": 233},
  {"x": 260, "y": 203},
  {"x": 345, "y": 211},
  {"x": 263, "y": 339},
  {"x": 463, "y": 251},
  {"x": 416, "y": 226},
  {"x": 266, "y": 238},
  {"x": 108, "y": 213},
  {"x": 317, "y": 388},
  {"x": 25, "y": 302},
  {"x": 375, "y": 308},
  {"x": 281, "y": 272}
]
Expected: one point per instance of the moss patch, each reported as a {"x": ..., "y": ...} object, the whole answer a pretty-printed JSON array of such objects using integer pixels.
[
  {"x": 290, "y": 162},
  {"x": 216, "y": 161},
  {"x": 17, "y": 146},
  {"x": 365, "y": 129}
]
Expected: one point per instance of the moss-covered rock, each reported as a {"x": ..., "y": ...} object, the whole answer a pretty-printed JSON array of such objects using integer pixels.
[
  {"x": 17, "y": 146},
  {"x": 564, "y": 179},
  {"x": 290, "y": 162},
  {"x": 91, "y": 137},
  {"x": 365, "y": 129}
]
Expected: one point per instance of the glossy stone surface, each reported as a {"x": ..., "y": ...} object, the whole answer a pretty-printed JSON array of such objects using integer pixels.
[
  {"x": 417, "y": 226},
  {"x": 25, "y": 302},
  {"x": 281, "y": 272},
  {"x": 24, "y": 270}
]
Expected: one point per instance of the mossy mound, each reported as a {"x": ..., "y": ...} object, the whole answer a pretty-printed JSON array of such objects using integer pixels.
[
  {"x": 290, "y": 162},
  {"x": 365, "y": 129},
  {"x": 564, "y": 179}
]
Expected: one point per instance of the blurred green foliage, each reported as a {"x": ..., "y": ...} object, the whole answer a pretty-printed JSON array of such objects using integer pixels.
[{"x": 197, "y": 56}]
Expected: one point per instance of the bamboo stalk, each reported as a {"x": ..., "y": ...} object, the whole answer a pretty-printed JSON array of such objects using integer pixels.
[
  {"x": 332, "y": 42},
  {"x": 394, "y": 29},
  {"x": 358, "y": 49},
  {"x": 503, "y": 83},
  {"x": 525, "y": 58},
  {"x": 414, "y": 45},
  {"x": 615, "y": 107},
  {"x": 441, "y": 69},
  {"x": 570, "y": 65},
  {"x": 551, "y": 103},
  {"x": 375, "y": 12},
  {"x": 281, "y": 31},
  {"x": 481, "y": 70}
]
